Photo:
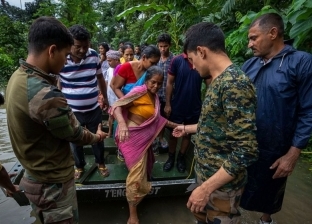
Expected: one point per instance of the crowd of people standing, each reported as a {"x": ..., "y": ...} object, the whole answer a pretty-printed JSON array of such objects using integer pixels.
[{"x": 248, "y": 131}]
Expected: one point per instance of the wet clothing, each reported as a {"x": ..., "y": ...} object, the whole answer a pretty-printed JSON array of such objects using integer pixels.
[
  {"x": 137, "y": 151},
  {"x": 222, "y": 207},
  {"x": 137, "y": 184},
  {"x": 143, "y": 106},
  {"x": 226, "y": 133},
  {"x": 284, "y": 119},
  {"x": 41, "y": 125},
  {"x": 186, "y": 95},
  {"x": 52, "y": 202}
]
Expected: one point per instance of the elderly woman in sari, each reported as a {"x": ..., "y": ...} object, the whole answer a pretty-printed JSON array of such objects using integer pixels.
[
  {"x": 139, "y": 123},
  {"x": 131, "y": 74}
]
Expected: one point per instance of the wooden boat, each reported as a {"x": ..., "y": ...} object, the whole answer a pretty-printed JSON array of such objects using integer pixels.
[{"x": 93, "y": 187}]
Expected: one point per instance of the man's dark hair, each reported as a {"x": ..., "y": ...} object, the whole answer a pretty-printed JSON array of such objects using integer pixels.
[
  {"x": 204, "y": 34},
  {"x": 46, "y": 31},
  {"x": 151, "y": 51},
  {"x": 79, "y": 32},
  {"x": 164, "y": 37},
  {"x": 268, "y": 21}
]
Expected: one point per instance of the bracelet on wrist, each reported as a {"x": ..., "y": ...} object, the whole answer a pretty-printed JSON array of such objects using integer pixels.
[
  {"x": 100, "y": 139},
  {"x": 185, "y": 130}
]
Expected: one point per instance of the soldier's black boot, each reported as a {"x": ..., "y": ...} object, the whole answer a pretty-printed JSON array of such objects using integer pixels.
[
  {"x": 170, "y": 162},
  {"x": 181, "y": 165}
]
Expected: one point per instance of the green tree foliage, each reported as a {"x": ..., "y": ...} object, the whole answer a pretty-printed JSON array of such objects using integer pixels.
[
  {"x": 297, "y": 19},
  {"x": 72, "y": 12},
  {"x": 299, "y": 16},
  {"x": 12, "y": 45},
  {"x": 6, "y": 66},
  {"x": 14, "y": 13},
  {"x": 236, "y": 41},
  {"x": 142, "y": 21},
  {"x": 166, "y": 16},
  {"x": 110, "y": 30}
]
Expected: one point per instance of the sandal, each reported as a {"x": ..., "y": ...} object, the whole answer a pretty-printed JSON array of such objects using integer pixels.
[
  {"x": 104, "y": 171},
  {"x": 78, "y": 172}
]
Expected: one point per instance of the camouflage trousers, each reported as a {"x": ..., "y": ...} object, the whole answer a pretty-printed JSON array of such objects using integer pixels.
[
  {"x": 53, "y": 203},
  {"x": 222, "y": 207}
]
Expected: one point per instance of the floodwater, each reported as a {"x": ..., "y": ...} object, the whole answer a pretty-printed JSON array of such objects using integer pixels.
[{"x": 297, "y": 207}]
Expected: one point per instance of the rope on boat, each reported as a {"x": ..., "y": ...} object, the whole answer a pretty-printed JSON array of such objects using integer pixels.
[{"x": 191, "y": 169}]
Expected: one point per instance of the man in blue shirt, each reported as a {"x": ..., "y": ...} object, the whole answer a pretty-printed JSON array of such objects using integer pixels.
[
  {"x": 283, "y": 79},
  {"x": 183, "y": 104}
]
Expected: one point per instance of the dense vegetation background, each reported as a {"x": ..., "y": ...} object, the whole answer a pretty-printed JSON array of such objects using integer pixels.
[{"x": 142, "y": 20}]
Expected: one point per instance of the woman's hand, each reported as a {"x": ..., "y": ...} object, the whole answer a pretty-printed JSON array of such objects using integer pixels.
[
  {"x": 178, "y": 131},
  {"x": 123, "y": 132}
]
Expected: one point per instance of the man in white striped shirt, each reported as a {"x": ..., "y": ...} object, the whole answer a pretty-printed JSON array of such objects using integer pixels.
[{"x": 80, "y": 81}]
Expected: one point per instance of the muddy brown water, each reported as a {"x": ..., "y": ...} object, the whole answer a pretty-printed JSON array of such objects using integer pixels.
[{"x": 297, "y": 207}]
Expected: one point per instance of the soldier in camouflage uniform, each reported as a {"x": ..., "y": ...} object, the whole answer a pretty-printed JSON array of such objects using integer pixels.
[
  {"x": 41, "y": 124},
  {"x": 225, "y": 140}
]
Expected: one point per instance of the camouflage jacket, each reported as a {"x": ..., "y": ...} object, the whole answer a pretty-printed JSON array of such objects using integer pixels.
[
  {"x": 226, "y": 134},
  {"x": 41, "y": 125}
]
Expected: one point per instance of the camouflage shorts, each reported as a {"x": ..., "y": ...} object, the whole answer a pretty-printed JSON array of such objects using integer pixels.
[
  {"x": 222, "y": 207},
  {"x": 52, "y": 202}
]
